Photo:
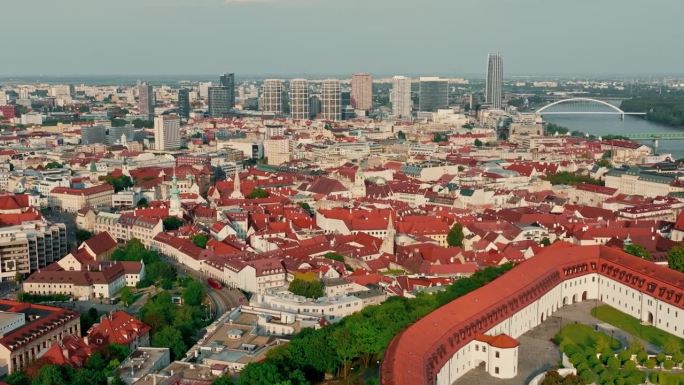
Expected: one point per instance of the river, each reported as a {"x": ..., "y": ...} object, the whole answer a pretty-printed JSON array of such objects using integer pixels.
[{"x": 611, "y": 124}]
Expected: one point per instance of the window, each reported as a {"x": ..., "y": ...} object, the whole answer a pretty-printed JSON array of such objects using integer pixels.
[
  {"x": 496, "y": 355},
  {"x": 496, "y": 370}
]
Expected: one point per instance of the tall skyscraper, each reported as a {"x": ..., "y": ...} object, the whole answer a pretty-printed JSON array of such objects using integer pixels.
[
  {"x": 271, "y": 93},
  {"x": 222, "y": 97},
  {"x": 362, "y": 92},
  {"x": 433, "y": 94},
  {"x": 400, "y": 97},
  {"x": 314, "y": 106},
  {"x": 493, "y": 89},
  {"x": 330, "y": 100},
  {"x": 166, "y": 132},
  {"x": 184, "y": 103},
  {"x": 299, "y": 98},
  {"x": 146, "y": 100},
  {"x": 228, "y": 81}
]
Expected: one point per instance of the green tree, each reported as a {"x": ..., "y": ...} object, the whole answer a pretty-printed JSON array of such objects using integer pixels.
[
  {"x": 455, "y": 236},
  {"x": 83, "y": 235},
  {"x": 53, "y": 375},
  {"x": 401, "y": 135},
  {"x": 169, "y": 337},
  {"x": 193, "y": 294},
  {"x": 478, "y": 143},
  {"x": 675, "y": 258},
  {"x": 126, "y": 296},
  {"x": 639, "y": 251},
  {"x": 172, "y": 223},
  {"x": 18, "y": 378},
  {"x": 200, "y": 240},
  {"x": 545, "y": 242},
  {"x": 223, "y": 380},
  {"x": 308, "y": 289},
  {"x": 53, "y": 165},
  {"x": 142, "y": 202},
  {"x": 258, "y": 193},
  {"x": 671, "y": 346},
  {"x": 334, "y": 256},
  {"x": 260, "y": 374},
  {"x": 119, "y": 183}
]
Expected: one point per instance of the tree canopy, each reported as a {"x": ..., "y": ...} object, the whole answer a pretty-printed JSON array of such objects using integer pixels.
[
  {"x": 675, "y": 258},
  {"x": 639, "y": 251},
  {"x": 308, "y": 289},
  {"x": 455, "y": 236}
]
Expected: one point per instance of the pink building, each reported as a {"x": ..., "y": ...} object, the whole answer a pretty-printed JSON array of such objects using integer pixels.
[{"x": 362, "y": 92}]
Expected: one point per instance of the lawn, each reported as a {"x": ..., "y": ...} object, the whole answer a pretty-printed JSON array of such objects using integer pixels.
[
  {"x": 633, "y": 326},
  {"x": 584, "y": 336}
]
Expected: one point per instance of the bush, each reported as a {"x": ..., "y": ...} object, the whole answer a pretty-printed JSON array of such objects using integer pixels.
[
  {"x": 625, "y": 356},
  {"x": 588, "y": 376},
  {"x": 660, "y": 357},
  {"x": 650, "y": 363},
  {"x": 668, "y": 364},
  {"x": 642, "y": 356}
]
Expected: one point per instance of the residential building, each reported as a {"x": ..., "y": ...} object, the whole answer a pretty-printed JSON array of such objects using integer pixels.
[
  {"x": 299, "y": 99},
  {"x": 433, "y": 94},
  {"x": 73, "y": 199},
  {"x": 400, "y": 97},
  {"x": 24, "y": 342},
  {"x": 124, "y": 227},
  {"x": 362, "y": 91},
  {"x": 494, "y": 85},
  {"x": 272, "y": 92},
  {"x": 331, "y": 100},
  {"x": 166, "y": 132},
  {"x": 29, "y": 246}
]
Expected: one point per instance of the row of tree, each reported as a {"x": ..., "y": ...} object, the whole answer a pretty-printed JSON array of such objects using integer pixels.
[
  {"x": 664, "y": 109},
  {"x": 358, "y": 339}
]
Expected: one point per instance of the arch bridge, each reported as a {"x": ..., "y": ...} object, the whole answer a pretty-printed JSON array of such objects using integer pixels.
[{"x": 585, "y": 106}]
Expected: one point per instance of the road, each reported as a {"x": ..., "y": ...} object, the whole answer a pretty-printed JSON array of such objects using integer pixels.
[{"x": 222, "y": 300}]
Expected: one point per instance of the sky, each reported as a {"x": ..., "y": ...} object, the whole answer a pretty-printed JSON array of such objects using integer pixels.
[{"x": 326, "y": 37}]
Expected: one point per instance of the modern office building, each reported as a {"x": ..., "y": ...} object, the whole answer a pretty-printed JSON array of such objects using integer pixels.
[
  {"x": 493, "y": 90},
  {"x": 222, "y": 97},
  {"x": 166, "y": 132},
  {"x": 362, "y": 91},
  {"x": 271, "y": 94},
  {"x": 400, "y": 97},
  {"x": 433, "y": 94},
  {"x": 219, "y": 101},
  {"x": 120, "y": 135},
  {"x": 299, "y": 99},
  {"x": 184, "y": 103},
  {"x": 146, "y": 100},
  {"x": 331, "y": 100},
  {"x": 93, "y": 134},
  {"x": 228, "y": 81}
]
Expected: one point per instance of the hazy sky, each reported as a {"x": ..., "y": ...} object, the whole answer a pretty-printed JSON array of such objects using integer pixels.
[{"x": 450, "y": 37}]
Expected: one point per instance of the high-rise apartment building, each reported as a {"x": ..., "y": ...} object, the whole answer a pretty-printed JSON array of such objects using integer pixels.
[
  {"x": 362, "y": 92},
  {"x": 400, "y": 97},
  {"x": 314, "y": 106},
  {"x": 93, "y": 134},
  {"x": 493, "y": 89},
  {"x": 331, "y": 100},
  {"x": 272, "y": 93},
  {"x": 433, "y": 94},
  {"x": 166, "y": 132},
  {"x": 299, "y": 99},
  {"x": 184, "y": 103},
  {"x": 146, "y": 100}
]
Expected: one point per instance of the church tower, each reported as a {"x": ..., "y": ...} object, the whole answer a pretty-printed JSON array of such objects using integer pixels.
[
  {"x": 359, "y": 186},
  {"x": 175, "y": 209}
]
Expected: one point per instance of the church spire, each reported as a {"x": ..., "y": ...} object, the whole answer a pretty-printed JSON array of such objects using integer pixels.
[
  {"x": 237, "y": 192},
  {"x": 388, "y": 243}
]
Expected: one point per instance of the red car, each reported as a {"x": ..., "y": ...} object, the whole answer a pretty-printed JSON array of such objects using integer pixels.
[{"x": 214, "y": 284}]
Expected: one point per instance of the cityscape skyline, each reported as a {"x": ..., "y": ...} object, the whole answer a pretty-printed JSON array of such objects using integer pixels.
[{"x": 534, "y": 28}]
